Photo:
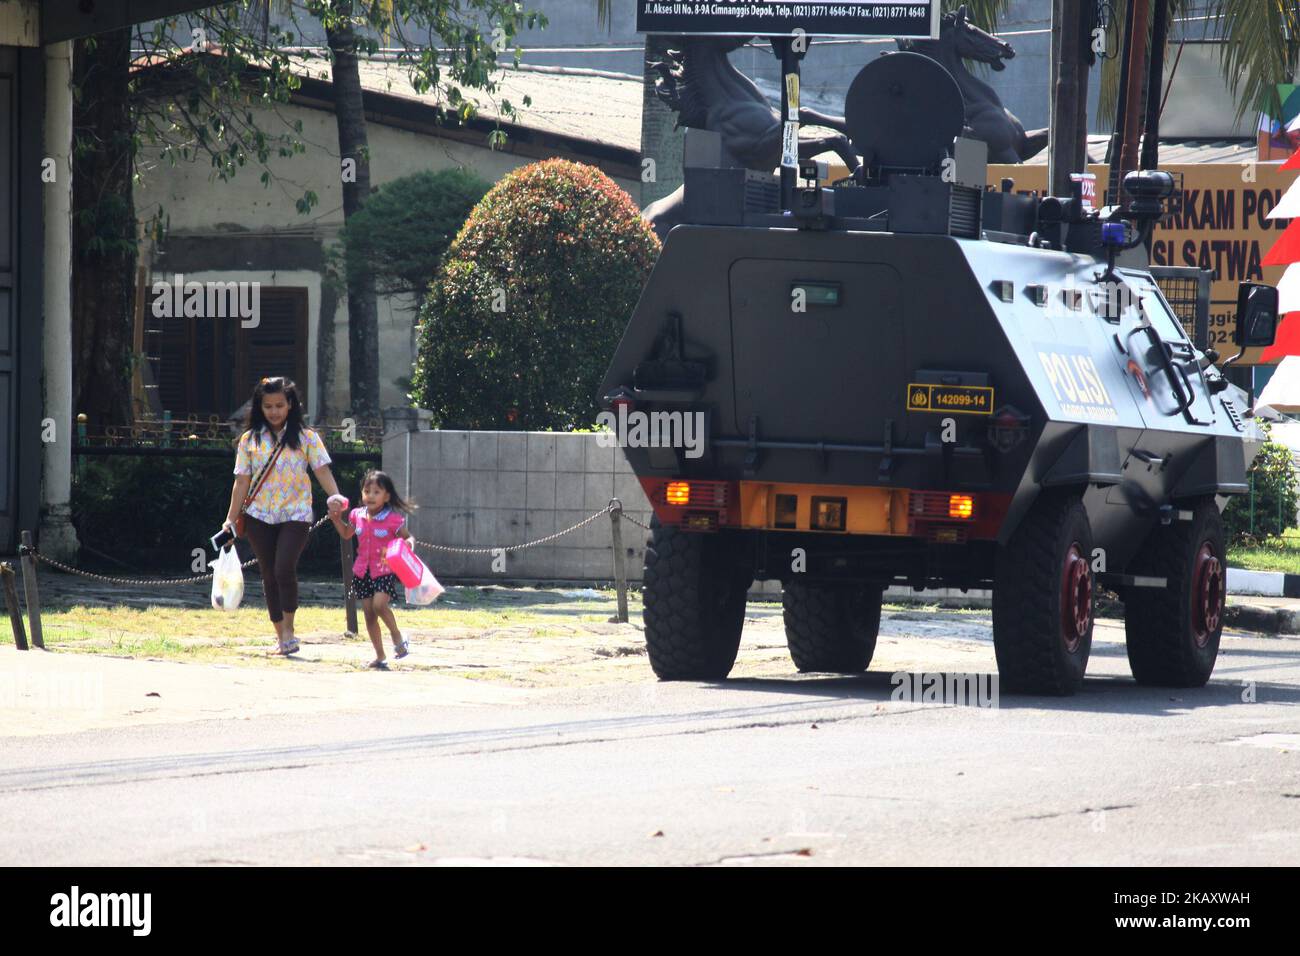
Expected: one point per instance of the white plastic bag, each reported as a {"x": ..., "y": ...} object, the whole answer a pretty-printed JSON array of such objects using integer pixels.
[
  {"x": 427, "y": 591},
  {"x": 227, "y": 580}
]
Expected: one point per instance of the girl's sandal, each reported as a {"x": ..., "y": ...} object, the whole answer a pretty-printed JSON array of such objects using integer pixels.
[
  {"x": 401, "y": 649},
  {"x": 378, "y": 665},
  {"x": 290, "y": 646}
]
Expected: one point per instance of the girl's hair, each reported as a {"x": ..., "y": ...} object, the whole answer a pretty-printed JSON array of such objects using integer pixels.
[
  {"x": 257, "y": 420},
  {"x": 395, "y": 501}
]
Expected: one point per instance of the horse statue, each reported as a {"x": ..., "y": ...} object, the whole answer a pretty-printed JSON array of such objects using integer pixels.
[
  {"x": 986, "y": 118},
  {"x": 699, "y": 82}
]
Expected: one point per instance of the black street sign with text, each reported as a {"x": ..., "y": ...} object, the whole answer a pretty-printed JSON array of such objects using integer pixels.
[{"x": 862, "y": 18}]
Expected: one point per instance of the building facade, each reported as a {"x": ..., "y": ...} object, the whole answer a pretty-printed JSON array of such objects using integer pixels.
[
  {"x": 35, "y": 254},
  {"x": 239, "y": 231}
]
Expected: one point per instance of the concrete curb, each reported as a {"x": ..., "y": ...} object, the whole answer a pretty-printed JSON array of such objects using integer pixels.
[{"x": 1263, "y": 583}]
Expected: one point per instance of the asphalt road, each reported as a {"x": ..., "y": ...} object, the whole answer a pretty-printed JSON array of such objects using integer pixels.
[{"x": 781, "y": 768}]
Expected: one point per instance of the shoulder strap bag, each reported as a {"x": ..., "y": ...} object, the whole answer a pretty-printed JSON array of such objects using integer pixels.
[{"x": 257, "y": 486}]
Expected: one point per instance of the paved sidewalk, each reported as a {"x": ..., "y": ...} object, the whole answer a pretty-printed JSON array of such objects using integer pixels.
[
  {"x": 56, "y": 693},
  {"x": 61, "y": 691}
]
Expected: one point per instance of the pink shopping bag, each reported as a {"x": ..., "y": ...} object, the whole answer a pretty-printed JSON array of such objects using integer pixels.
[{"x": 401, "y": 558}]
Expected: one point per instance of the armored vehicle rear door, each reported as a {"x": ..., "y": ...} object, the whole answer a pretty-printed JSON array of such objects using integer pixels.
[{"x": 818, "y": 348}]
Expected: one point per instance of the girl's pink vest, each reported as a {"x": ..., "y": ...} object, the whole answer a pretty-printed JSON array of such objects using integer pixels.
[{"x": 373, "y": 537}]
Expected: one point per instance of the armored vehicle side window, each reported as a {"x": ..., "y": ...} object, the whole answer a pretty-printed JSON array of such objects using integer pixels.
[{"x": 1158, "y": 312}]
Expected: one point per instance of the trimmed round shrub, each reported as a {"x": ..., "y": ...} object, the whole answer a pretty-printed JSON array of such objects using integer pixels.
[{"x": 532, "y": 298}]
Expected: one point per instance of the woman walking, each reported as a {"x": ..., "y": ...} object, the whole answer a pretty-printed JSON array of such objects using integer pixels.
[{"x": 277, "y": 452}]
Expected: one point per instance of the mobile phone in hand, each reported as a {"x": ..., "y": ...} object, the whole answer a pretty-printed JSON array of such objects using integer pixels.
[{"x": 222, "y": 538}]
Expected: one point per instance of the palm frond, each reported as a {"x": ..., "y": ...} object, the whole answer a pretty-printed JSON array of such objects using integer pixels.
[
  {"x": 983, "y": 13},
  {"x": 1257, "y": 55}
]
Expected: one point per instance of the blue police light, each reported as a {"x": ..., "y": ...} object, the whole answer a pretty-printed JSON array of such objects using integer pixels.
[{"x": 1113, "y": 234}]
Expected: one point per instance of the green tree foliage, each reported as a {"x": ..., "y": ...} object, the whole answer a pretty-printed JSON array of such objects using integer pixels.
[
  {"x": 443, "y": 46},
  {"x": 1259, "y": 48},
  {"x": 1270, "y": 508},
  {"x": 402, "y": 232},
  {"x": 532, "y": 298},
  {"x": 982, "y": 13},
  {"x": 198, "y": 97}
]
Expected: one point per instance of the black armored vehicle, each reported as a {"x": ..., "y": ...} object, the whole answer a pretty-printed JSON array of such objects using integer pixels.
[{"x": 910, "y": 378}]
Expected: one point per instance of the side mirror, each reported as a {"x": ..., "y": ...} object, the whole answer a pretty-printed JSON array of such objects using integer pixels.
[{"x": 1257, "y": 318}]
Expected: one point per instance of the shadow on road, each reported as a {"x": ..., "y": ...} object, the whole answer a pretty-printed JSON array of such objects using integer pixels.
[{"x": 1098, "y": 694}]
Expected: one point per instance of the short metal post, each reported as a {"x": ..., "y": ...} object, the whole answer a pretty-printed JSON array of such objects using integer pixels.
[
  {"x": 11, "y": 601},
  {"x": 81, "y": 440},
  {"x": 31, "y": 592},
  {"x": 620, "y": 558},
  {"x": 350, "y": 602}
]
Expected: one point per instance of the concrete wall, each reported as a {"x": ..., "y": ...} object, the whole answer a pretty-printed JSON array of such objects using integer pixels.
[
  {"x": 20, "y": 23},
  {"x": 496, "y": 489}
]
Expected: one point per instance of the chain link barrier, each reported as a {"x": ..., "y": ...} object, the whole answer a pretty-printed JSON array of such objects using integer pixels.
[
  {"x": 146, "y": 581},
  {"x": 639, "y": 524},
  {"x": 614, "y": 505}
]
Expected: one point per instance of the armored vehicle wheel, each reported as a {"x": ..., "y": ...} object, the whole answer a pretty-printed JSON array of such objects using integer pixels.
[
  {"x": 1173, "y": 633},
  {"x": 694, "y": 593},
  {"x": 1043, "y": 600},
  {"x": 831, "y": 628}
]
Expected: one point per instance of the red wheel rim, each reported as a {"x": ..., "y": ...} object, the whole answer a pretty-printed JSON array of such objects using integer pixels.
[
  {"x": 1209, "y": 589},
  {"x": 1076, "y": 598}
]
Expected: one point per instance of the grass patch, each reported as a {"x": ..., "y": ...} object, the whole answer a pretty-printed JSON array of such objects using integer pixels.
[
  {"x": 933, "y": 607},
  {"x": 202, "y": 634},
  {"x": 1274, "y": 554}
]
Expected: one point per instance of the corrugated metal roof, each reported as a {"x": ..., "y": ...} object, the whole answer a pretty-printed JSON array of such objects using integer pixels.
[
  {"x": 1175, "y": 153},
  {"x": 604, "y": 108}
]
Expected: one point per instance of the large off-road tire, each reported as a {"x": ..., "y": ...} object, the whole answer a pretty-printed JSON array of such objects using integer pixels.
[
  {"x": 1173, "y": 632},
  {"x": 831, "y": 628},
  {"x": 694, "y": 594},
  {"x": 1043, "y": 599}
]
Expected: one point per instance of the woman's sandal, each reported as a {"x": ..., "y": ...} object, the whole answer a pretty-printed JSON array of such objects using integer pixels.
[
  {"x": 378, "y": 665},
  {"x": 401, "y": 649},
  {"x": 285, "y": 648}
]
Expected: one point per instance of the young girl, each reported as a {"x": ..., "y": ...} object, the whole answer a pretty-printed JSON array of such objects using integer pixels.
[{"x": 381, "y": 519}]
